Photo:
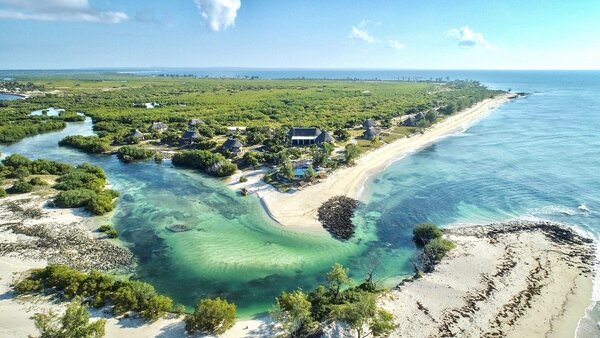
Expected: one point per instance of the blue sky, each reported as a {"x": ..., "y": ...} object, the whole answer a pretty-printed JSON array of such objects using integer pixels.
[{"x": 507, "y": 34}]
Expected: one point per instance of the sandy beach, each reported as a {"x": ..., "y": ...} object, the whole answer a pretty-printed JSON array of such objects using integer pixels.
[
  {"x": 518, "y": 279},
  {"x": 521, "y": 279},
  {"x": 298, "y": 209}
]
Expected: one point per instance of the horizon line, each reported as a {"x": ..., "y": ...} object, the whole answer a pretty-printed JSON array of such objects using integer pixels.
[{"x": 293, "y": 68}]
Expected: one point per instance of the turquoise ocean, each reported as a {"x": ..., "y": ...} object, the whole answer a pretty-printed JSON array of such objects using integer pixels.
[{"x": 537, "y": 157}]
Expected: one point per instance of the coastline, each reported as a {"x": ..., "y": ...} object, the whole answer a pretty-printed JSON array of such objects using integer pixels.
[
  {"x": 298, "y": 210},
  {"x": 515, "y": 279}
]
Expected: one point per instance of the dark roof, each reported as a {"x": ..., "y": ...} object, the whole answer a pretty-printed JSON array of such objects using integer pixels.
[
  {"x": 137, "y": 134},
  {"x": 304, "y": 132},
  {"x": 232, "y": 143},
  {"x": 368, "y": 124},
  {"x": 158, "y": 125},
  {"x": 195, "y": 122},
  {"x": 410, "y": 122},
  {"x": 325, "y": 136},
  {"x": 371, "y": 133},
  {"x": 190, "y": 135}
]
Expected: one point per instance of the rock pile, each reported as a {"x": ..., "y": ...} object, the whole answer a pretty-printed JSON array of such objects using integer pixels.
[{"x": 336, "y": 216}]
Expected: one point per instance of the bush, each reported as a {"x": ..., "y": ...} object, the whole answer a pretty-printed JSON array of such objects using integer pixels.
[
  {"x": 88, "y": 144},
  {"x": 211, "y": 163},
  {"x": 101, "y": 289},
  {"x": 133, "y": 153},
  {"x": 243, "y": 179},
  {"x": 3, "y": 193},
  {"x": 212, "y": 316},
  {"x": 425, "y": 232},
  {"x": 37, "y": 181},
  {"x": 112, "y": 233},
  {"x": 20, "y": 187},
  {"x": 105, "y": 227},
  {"x": 74, "y": 323},
  {"x": 75, "y": 198},
  {"x": 20, "y": 173},
  {"x": 437, "y": 248}
]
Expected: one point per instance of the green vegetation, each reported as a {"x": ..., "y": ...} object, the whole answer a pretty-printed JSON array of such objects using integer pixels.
[
  {"x": 211, "y": 316},
  {"x": 20, "y": 187},
  {"x": 134, "y": 153},
  {"x": 434, "y": 247},
  {"x": 303, "y": 315},
  {"x": 98, "y": 290},
  {"x": 88, "y": 144},
  {"x": 108, "y": 230},
  {"x": 83, "y": 186},
  {"x": 350, "y": 153},
  {"x": 425, "y": 232},
  {"x": 209, "y": 162},
  {"x": 15, "y": 129},
  {"x": 75, "y": 323}
]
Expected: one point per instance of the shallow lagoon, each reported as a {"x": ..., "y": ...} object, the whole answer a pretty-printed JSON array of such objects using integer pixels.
[{"x": 533, "y": 158}]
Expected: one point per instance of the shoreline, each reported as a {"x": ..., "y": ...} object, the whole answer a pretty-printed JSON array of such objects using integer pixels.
[
  {"x": 514, "y": 279},
  {"x": 298, "y": 210},
  {"x": 521, "y": 278}
]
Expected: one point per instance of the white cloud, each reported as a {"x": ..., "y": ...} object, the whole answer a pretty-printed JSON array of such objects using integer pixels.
[
  {"x": 394, "y": 44},
  {"x": 55, "y": 10},
  {"x": 220, "y": 14},
  {"x": 468, "y": 38},
  {"x": 361, "y": 34}
]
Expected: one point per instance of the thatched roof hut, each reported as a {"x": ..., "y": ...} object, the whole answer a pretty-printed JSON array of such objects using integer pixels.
[
  {"x": 369, "y": 123},
  {"x": 325, "y": 136},
  {"x": 371, "y": 133},
  {"x": 136, "y": 134},
  {"x": 190, "y": 135},
  {"x": 158, "y": 126},
  {"x": 233, "y": 145}
]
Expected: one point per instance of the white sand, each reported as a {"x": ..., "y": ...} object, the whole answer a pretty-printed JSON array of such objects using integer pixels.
[
  {"x": 520, "y": 285},
  {"x": 299, "y": 209}
]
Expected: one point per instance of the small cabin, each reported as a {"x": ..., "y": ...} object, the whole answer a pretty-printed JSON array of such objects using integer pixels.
[
  {"x": 368, "y": 124},
  {"x": 190, "y": 136},
  {"x": 371, "y": 134},
  {"x": 138, "y": 135},
  {"x": 233, "y": 145},
  {"x": 158, "y": 126}
]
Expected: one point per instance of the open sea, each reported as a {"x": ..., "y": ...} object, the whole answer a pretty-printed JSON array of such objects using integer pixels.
[{"x": 537, "y": 157}]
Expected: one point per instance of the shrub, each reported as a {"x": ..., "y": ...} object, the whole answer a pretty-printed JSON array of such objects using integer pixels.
[
  {"x": 88, "y": 144},
  {"x": 74, "y": 323},
  {"x": 3, "y": 193},
  {"x": 132, "y": 153},
  {"x": 243, "y": 179},
  {"x": 112, "y": 233},
  {"x": 75, "y": 198},
  {"x": 20, "y": 187},
  {"x": 37, "y": 181},
  {"x": 425, "y": 232},
  {"x": 105, "y": 227},
  {"x": 437, "y": 248},
  {"x": 125, "y": 295},
  {"x": 211, "y": 163},
  {"x": 212, "y": 316},
  {"x": 20, "y": 173}
]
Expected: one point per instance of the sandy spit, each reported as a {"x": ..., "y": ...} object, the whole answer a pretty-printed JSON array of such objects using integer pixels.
[{"x": 298, "y": 210}]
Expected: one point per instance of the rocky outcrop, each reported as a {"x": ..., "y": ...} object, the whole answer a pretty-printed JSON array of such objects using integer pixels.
[{"x": 336, "y": 216}]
